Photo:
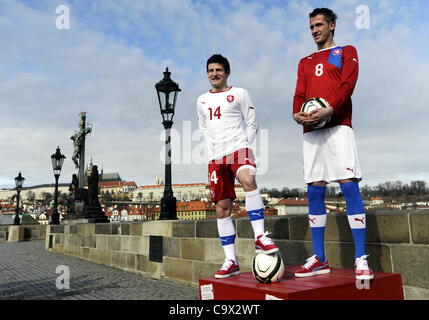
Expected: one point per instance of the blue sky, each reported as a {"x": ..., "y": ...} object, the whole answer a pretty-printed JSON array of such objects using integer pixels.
[{"x": 109, "y": 60}]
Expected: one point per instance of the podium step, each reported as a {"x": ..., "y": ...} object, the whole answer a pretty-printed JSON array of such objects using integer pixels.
[{"x": 339, "y": 284}]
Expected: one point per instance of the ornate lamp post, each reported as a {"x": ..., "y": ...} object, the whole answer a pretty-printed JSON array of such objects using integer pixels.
[
  {"x": 19, "y": 181},
  {"x": 57, "y": 164},
  {"x": 167, "y": 91}
]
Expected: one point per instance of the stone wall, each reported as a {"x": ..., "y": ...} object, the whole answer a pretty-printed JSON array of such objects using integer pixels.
[
  {"x": 22, "y": 232},
  {"x": 397, "y": 241}
]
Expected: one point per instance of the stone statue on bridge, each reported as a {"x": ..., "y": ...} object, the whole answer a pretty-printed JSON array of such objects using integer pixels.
[
  {"x": 79, "y": 142},
  {"x": 83, "y": 204}
]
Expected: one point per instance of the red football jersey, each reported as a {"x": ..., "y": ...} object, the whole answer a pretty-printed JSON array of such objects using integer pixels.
[{"x": 330, "y": 74}]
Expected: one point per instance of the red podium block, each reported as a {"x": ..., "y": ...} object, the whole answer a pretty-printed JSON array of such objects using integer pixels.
[{"x": 340, "y": 284}]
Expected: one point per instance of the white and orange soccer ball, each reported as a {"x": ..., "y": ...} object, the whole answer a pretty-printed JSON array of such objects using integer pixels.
[
  {"x": 313, "y": 104},
  {"x": 268, "y": 268}
]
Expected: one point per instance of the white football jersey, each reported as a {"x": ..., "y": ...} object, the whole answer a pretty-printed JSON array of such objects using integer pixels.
[{"x": 221, "y": 116}]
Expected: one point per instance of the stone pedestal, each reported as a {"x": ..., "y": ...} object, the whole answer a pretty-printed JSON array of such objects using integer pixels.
[
  {"x": 94, "y": 213},
  {"x": 16, "y": 234},
  {"x": 84, "y": 210}
]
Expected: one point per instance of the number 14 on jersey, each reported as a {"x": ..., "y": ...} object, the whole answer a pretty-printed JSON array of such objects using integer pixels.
[{"x": 216, "y": 113}]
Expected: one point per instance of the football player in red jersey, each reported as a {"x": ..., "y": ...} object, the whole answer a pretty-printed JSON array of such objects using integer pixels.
[
  {"x": 330, "y": 153},
  {"x": 222, "y": 111}
]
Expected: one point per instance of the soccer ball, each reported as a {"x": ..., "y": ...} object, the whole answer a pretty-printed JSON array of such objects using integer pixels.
[
  {"x": 268, "y": 268},
  {"x": 315, "y": 103}
]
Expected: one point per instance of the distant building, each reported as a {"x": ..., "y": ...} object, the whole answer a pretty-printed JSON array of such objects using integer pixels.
[
  {"x": 107, "y": 182},
  {"x": 292, "y": 206},
  {"x": 111, "y": 182},
  {"x": 116, "y": 187},
  {"x": 130, "y": 212},
  {"x": 104, "y": 177},
  {"x": 192, "y": 210},
  {"x": 195, "y": 210},
  {"x": 44, "y": 216},
  {"x": 7, "y": 207},
  {"x": 376, "y": 201},
  {"x": 185, "y": 210},
  {"x": 182, "y": 192},
  {"x": 38, "y": 191}
]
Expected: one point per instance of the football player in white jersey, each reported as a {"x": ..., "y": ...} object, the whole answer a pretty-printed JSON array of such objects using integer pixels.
[{"x": 222, "y": 111}]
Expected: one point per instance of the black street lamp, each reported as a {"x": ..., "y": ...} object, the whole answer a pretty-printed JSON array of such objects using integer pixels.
[
  {"x": 19, "y": 181},
  {"x": 57, "y": 164},
  {"x": 167, "y": 91}
]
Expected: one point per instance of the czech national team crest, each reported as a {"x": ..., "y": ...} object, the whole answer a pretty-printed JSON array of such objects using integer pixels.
[
  {"x": 336, "y": 52},
  {"x": 230, "y": 98}
]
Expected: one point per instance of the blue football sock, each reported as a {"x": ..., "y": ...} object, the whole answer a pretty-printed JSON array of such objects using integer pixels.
[
  {"x": 356, "y": 215},
  {"x": 317, "y": 219}
]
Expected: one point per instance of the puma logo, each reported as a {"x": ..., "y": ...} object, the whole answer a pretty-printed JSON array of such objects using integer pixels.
[
  {"x": 351, "y": 169},
  {"x": 312, "y": 220},
  {"x": 361, "y": 220}
]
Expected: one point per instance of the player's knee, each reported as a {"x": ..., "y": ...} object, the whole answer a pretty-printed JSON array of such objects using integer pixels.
[
  {"x": 248, "y": 182},
  {"x": 222, "y": 214},
  {"x": 318, "y": 183},
  {"x": 223, "y": 209}
]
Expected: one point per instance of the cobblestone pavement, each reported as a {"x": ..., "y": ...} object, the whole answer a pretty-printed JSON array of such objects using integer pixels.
[{"x": 28, "y": 272}]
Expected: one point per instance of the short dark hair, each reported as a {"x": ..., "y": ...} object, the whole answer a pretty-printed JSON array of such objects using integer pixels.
[
  {"x": 217, "y": 58},
  {"x": 329, "y": 15}
]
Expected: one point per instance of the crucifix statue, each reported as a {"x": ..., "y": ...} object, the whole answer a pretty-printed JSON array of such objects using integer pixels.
[{"x": 79, "y": 148}]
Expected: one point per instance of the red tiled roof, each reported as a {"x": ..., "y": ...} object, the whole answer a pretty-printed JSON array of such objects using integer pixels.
[
  {"x": 110, "y": 184},
  {"x": 293, "y": 202},
  {"x": 194, "y": 206}
]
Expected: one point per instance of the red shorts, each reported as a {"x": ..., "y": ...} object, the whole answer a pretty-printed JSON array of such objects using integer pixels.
[{"x": 222, "y": 173}]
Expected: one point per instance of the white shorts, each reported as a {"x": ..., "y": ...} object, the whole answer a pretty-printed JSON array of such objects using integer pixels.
[{"x": 330, "y": 154}]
